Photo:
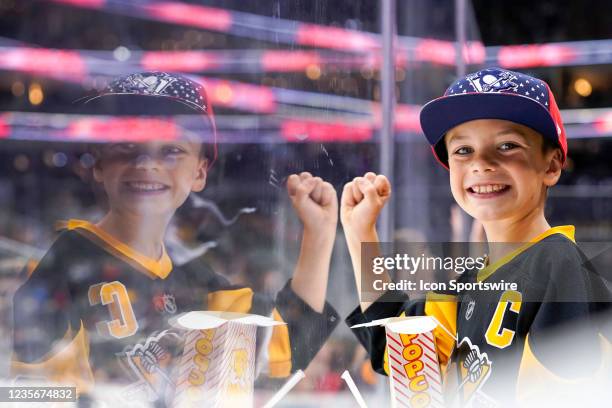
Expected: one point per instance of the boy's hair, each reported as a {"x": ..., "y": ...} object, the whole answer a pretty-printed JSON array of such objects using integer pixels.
[
  {"x": 494, "y": 93},
  {"x": 158, "y": 94}
]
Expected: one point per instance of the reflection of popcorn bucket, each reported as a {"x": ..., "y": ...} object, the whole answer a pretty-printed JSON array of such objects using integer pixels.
[
  {"x": 217, "y": 368},
  {"x": 414, "y": 370}
]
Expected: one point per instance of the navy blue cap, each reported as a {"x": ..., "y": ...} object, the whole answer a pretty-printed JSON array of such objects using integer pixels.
[
  {"x": 493, "y": 93},
  {"x": 155, "y": 94}
]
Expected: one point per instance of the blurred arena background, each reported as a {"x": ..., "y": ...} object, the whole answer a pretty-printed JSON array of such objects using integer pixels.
[{"x": 296, "y": 85}]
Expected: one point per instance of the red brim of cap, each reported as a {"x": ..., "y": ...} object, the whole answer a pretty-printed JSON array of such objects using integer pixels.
[{"x": 442, "y": 114}]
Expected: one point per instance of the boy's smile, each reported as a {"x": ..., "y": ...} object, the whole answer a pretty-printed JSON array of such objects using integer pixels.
[
  {"x": 142, "y": 186},
  {"x": 152, "y": 177},
  {"x": 498, "y": 169}
]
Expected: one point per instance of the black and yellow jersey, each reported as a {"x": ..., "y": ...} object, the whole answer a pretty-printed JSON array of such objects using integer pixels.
[
  {"x": 95, "y": 310},
  {"x": 507, "y": 345}
]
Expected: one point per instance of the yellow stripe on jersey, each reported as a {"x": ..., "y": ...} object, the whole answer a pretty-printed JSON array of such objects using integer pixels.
[
  {"x": 231, "y": 300},
  {"x": 444, "y": 309},
  {"x": 565, "y": 230},
  {"x": 279, "y": 349},
  {"x": 158, "y": 268},
  {"x": 67, "y": 366},
  {"x": 31, "y": 267}
]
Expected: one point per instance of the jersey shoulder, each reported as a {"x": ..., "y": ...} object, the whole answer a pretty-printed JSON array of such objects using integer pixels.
[
  {"x": 553, "y": 255},
  {"x": 69, "y": 248}
]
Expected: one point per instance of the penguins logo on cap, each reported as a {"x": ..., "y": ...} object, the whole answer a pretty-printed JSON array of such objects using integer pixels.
[{"x": 492, "y": 81}]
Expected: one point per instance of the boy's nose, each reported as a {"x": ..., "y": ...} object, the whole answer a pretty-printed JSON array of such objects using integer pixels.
[
  {"x": 483, "y": 162},
  {"x": 145, "y": 161}
]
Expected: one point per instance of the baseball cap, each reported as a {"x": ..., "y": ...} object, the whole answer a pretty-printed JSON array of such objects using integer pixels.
[
  {"x": 156, "y": 94},
  {"x": 493, "y": 93}
]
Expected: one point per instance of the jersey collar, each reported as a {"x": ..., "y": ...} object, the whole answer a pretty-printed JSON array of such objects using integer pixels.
[
  {"x": 567, "y": 231},
  {"x": 160, "y": 268}
]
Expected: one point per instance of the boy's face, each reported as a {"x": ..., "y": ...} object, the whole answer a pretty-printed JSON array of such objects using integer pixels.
[
  {"x": 150, "y": 178},
  {"x": 498, "y": 169}
]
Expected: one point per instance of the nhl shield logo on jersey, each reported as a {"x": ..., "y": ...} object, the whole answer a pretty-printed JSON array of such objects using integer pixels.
[
  {"x": 493, "y": 80},
  {"x": 165, "y": 303},
  {"x": 470, "y": 309},
  {"x": 474, "y": 368}
]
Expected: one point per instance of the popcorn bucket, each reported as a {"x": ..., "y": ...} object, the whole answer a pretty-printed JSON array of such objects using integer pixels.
[
  {"x": 414, "y": 369},
  {"x": 217, "y": 367}
]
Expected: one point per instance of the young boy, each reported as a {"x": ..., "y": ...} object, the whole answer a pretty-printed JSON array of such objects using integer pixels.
[
  {"x": 96, "y": 307},
  {"x": 500, "y": 135}
]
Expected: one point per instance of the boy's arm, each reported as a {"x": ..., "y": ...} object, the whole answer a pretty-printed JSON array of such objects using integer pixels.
[
  {"x": 316, "y": 205},
  {"x": 362, "y": 200},
  {"x": 361, "y": 203},
  {"x": 301, "y": 303}
]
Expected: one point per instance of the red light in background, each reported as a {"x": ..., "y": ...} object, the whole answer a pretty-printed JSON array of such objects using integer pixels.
[
  {"x": 407, "y": 118},
  {"x": 224, "y": 94},
  {"x": 311, "y": 131},
  {"x": 196, "y": 16},
  {"x": 5, "y": 129},
  {"x": 337, "y": 38},
  {"x": 56, "y": 63},
  {"x": 123, "y": 129},
  {"x": 289, "y": 61},
  {"x": 445, "y": 52},
  {"x": 474, "y": 52},
  {"x": 522, "y": 56},
  {"x": 439, "y": 52},
  {"x": 603, "y": 124},
  {"x": 252, "y": 98},
  {"x": 185, "y": 61}
]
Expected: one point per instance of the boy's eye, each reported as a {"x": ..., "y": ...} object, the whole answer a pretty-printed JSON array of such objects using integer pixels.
[
  {"x": 123, "y": 148},
  {"x": 508, "y": 146},
  {"x": 172, "y": 150},
  {"x": 463, "y": 150}
]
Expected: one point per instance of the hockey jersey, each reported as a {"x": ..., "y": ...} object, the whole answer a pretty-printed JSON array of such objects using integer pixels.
[
  {"x": 509, "y": 343},
  {"x": 95, "y": 310}
]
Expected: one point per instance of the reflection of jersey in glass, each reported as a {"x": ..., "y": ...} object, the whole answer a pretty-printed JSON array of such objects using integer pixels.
[{"x": 95, "y": 310}]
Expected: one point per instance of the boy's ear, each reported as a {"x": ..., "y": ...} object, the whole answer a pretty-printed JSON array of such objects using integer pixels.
[
  {"x": 97, "y": 171},
  {"x": 554, "y": 163},
  {"x": 200, "y": 181}
]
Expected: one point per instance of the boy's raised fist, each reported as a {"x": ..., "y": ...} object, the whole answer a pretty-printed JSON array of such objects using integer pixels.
[
  {"x": 362, "y": 200},
  {"x": 314, "y": 200}
]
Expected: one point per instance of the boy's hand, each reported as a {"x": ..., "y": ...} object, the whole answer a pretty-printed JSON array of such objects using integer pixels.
[
  {"x": 316, "y": 204},
  {"x": 314, "y": 201},
  {"x": 362, "y": 200}
]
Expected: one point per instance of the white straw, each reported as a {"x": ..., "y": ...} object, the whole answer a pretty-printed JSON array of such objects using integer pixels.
[
  {"x": 292, "y": 382},
  {"x": 353, "y": 388}
]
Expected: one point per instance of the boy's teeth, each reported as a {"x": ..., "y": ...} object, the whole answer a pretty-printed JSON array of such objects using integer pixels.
[
  {"x": 146, "y": 186},
  {"x": 489, "y": 188}
]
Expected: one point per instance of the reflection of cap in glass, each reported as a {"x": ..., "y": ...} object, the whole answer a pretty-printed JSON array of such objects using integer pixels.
[
  {"x": 493, "y": 93},
  {"x": 155, "y": 94}
]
